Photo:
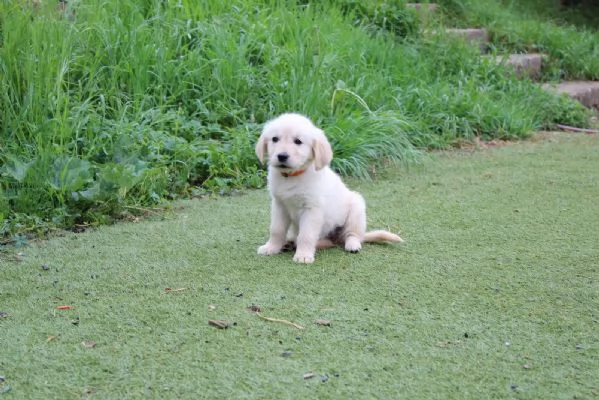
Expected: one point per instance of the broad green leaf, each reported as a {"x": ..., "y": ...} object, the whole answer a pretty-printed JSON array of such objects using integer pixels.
[
  {"x": 16, "y": 169},
  {"x": 71, "y": 174}
]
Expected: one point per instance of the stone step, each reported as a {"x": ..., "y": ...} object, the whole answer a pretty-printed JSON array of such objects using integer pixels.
[
  {"x": 586, "y": 92},
  {"x": 423, "y": 7},
  {"x": 524, "y": 65},
  {"x": 424, "y": 11},
  {"x": 472, "y": 36}
]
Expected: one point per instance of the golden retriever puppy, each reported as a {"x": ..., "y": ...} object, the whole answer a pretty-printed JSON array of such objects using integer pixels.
[{"x": 311, "y": 207}]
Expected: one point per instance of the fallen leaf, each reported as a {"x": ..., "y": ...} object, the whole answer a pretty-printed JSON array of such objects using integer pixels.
[
  {"x": 323, "y": 322},
  {"x": 255, "y": 308},
  {"x": 218, "y": 324},
  {"x": 87, "y": 393},
  {"x": 88, "y": 344},
  {"x": 170, "y": 290}
]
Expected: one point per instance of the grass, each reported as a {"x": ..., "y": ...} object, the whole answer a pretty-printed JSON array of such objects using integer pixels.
[
  {"x": 113, "y": 107},
  {"x": 494, "y": 295}
]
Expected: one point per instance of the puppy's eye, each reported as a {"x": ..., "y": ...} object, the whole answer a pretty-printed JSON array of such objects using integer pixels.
[
  {"x": 275, "y": 139},
  {"x": 297, "y": 141}
]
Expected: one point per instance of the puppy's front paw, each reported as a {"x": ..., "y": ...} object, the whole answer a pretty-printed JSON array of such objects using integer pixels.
[
  {"x": 268, "y": 249},
  {"x": 303, "y": 258}
]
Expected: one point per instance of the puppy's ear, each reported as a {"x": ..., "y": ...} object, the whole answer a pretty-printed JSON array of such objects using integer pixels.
[
  {"x": 261, "y": 147},
  {"x": 323, "y": 153}
]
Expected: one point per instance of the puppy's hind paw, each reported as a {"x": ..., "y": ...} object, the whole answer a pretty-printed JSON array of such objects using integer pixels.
[
  {"x": 289, "y": 246},
  {"x": 268, "y": 249},
  {"x": 353, "y": 244}
]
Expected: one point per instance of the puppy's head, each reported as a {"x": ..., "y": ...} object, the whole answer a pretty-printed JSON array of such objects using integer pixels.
[{"x": 292, "y": 142}]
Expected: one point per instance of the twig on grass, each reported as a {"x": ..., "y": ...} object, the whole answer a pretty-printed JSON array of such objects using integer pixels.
[
  {"x": 147, "y": 210},
  {"x": 575, "y": 129},
  {"x": 282, "y": 321},
  {"x": 169, "y": 290}
]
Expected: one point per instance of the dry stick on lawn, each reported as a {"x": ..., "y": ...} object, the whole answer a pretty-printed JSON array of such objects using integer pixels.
[
  {"x": 574, "y": 129},
  {"x": 283, "y": 321},
  {"x": 169, "y": 290}
]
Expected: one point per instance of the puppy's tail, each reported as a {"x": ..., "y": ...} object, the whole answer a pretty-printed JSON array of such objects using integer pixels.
[
  {"x": 381, "y": 236},
  {"x": 369, "y": 237}
]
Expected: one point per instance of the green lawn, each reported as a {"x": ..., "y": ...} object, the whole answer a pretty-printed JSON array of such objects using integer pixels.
[{"x": 495, "y": 294}]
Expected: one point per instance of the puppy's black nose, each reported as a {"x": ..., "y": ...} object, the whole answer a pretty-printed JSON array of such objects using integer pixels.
[{"x": 282, "y": 157}]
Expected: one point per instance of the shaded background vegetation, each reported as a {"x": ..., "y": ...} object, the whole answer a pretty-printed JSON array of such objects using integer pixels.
[{"x": 109, "y": 108}]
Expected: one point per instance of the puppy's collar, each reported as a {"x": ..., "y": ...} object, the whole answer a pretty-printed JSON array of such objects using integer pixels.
[{"x": 296, "y": 173}]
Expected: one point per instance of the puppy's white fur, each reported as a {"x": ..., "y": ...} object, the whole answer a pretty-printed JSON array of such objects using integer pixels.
[{"x": 311, "y": 206}]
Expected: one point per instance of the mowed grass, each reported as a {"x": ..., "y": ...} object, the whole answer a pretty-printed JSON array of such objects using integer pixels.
[{"x": 495, "y": 294}]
